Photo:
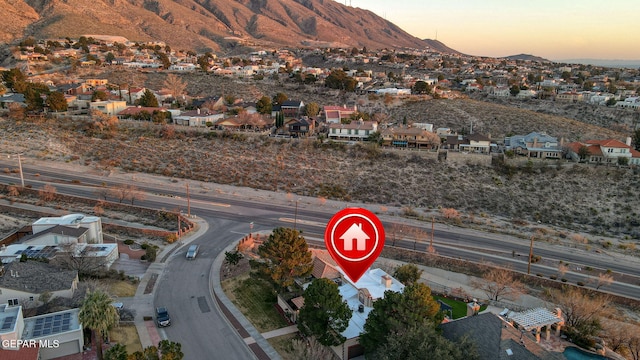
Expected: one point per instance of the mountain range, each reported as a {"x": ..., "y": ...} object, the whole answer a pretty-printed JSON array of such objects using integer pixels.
[{"x": 209, "y": 25}]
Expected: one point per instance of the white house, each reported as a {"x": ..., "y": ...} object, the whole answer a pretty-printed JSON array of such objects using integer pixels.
[
  {"x": 356, "y": 130},
  {"x": 334, "y": 114},
  {"x": 92, "y": 223},
  {"x": 109, "y": 107},
  {"x": 631, "y": 103},
  {"x": 198, "y": 118},
  {"x": 360, "y": 297},
  {"x": 97, "y": 255}
]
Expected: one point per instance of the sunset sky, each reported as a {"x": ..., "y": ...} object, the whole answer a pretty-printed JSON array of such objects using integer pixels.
[{"x": 553, "y": 29}]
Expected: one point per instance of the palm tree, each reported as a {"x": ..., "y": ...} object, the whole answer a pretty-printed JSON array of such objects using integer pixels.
[{"x": 97, "y": 314}]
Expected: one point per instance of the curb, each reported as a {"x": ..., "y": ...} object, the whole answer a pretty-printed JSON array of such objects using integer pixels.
[{"x": 260, "y": 347}]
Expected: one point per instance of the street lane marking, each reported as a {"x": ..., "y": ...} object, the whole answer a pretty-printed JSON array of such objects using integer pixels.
[{"x": 305, "y": 222}]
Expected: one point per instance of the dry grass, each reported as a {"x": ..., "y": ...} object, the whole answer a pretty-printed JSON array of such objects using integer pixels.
[
  {"x": 126, "y": 335},
  {"x": 121, "y": 288}
]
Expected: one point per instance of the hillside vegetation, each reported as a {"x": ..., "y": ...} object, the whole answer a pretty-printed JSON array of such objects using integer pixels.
[{"x": 601, "y": 200}]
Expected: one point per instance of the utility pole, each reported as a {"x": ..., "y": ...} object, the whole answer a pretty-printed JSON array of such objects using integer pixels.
[
  {"x": 432, "y": 230},
  {"x": 20, "y": 168},
  {"x": 295, "y": 216},
  {"x": 188, "y": 202},
  {"x": 530, "y": 256}
]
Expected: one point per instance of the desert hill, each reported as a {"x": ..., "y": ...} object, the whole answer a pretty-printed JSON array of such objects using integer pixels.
[{"x": 207, "y": 24}]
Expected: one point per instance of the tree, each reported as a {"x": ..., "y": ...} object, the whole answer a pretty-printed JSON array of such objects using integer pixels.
[
  {"x": 396, "y": 312},
  {"x": 56, "y": 101},
  {"x": 338, "y": 79},
  {"x": 421, "y": 87},
  {"x": 583, "y": 152},
  {"x": 47, "y": 193},
  {"x": 499, "y": 283},
  {"x": 636, "y": 139},
  {"x": 97, "y": 314},
  {"x": 279, "y": 98},
  {"x": 263, "y": 106},
  {"x": 232, "y": 257},
  {"x": 99, "y": 95},
  {"x": 416, "y": 342},
  {"x": 84, "y": 260},
  {"x": 514, "y": 90},
  {"x": 148, "y": 99},
  {"x": 311, "y": 109},
  {"x": 603, "y": 280},
  {"x": 109, "y": 58},
  {"x": 324, "y": 314},
  {"x": 116, "y": 352},
  {"x": 287, "y": 256},
  {"x": 33, "y": 94},
  {"x": 581, "y": 311},
  {"x": 14, "y": 79},
  {"x": 175, "y": 85},
  {"x": 166, "y": 350},
  {"x": 310, "y": 349},
  {"x": 408, "y": 274}
]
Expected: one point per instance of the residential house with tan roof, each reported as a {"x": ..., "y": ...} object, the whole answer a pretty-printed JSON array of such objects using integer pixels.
[
  {"x": 473, "y": 143},
  {"x": 198, "y": 117},
  {"x": 409, "y": 137}
]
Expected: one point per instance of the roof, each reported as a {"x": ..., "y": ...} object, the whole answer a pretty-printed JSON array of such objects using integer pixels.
[
  {"x": 62, "y": 230},
  {"x": 8, "y": 318},
  {"x": 324, "y": 269},
  {"x": 134, "y": 110},
  {"x": 485, "y": 330},
  {"x": 291, "y": 103},
  {"x": 371, "y": 281},
  {"x": 36, "y": 277},
  {"x": 51, "y": 324},
  {"x": 608, "y": 143},
  {"x": 535, "y": 318},
  {"x": 22, "y": 353},
  {"x": 354, "y": 125},
  {"x": 70, "y": 219}
]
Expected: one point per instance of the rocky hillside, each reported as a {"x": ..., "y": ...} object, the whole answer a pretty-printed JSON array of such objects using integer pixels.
[{"x": 206, "y": 24}]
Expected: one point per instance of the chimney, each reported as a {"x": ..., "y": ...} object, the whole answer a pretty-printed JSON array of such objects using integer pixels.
[
  {"x": 559, "y": 312},
  {"x": 198, "y": 111},
  {"x": 628, "y": 141},
  {"x": 386, "y": 281}
]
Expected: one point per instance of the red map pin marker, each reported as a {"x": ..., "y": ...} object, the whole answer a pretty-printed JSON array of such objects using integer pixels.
[{"x": 354, "y": 237}]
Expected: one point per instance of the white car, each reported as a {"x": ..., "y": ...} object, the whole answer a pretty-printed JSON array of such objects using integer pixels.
[{"x": 192, "y": 252}]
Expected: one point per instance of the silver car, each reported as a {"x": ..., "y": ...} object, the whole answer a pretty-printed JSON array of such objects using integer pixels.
[{"x": 192, "y": 252}]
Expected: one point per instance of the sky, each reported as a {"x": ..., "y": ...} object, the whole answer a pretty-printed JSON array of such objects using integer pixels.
[{"x": 553, "y": 29}]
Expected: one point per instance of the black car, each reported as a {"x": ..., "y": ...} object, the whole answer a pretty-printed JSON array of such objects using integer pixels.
[{"x": 162, "y": 317}]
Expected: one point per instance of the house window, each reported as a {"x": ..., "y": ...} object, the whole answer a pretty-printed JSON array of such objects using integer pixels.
[
  {"x": 30, "y": 298},
  {"x": 333, "y": 131},
  {"x": 13, "y": 302}
]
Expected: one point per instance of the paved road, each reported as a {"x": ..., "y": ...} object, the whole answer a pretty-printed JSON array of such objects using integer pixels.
[{"x": 184, "y": 289}]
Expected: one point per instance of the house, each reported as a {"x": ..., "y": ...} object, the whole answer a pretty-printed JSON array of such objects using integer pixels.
[
  {"x": 109, "y": 107},
  {"x": 301, "y": 127},
  {"x": 91, "y": 256},
  {"x": 292, "y": 108},
  {"x": 535, "y": 145},
  {"x": 57, "y": 234},
  {"x": 494, "y": 339},
  {"x": 608, "y": 151},
  {"x": 569, "y": 96},
  {"x": 22, "y": 283},
  {"x": 335, "y": 114},
  {"x": 412, "y": 137},
  {"x": 360, "y": 297},
  {"x": 92, "y": 223},
  {"x": 198, "y": 117},
  {"x": 630, "y": 103},
  {"x": 53, "y": 335},
  {"x": 7, "y": 99},
  {"x": 475, "y": 143},
  {"x": 140, "y": 112},
  {"x": 356, "y": 130}
]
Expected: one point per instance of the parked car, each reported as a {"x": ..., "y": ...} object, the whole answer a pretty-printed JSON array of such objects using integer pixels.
[
  {"x": 192, "y": 252},
  {"x": 162, "y": 317}
]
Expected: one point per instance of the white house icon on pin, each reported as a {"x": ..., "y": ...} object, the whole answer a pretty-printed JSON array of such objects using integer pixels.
[{"x": 356, "y": 233}]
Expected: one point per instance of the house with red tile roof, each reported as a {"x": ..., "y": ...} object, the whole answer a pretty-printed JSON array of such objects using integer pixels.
[
  {"x": 607, "y": 151},
  {"x": 334, "y": 114}
]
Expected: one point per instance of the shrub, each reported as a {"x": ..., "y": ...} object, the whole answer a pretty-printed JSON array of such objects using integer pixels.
[
  {"x": 144, "y": 246},
  {"x": 580, "y": 283},
  {"x": 553, "y": 277},
  {"x": 128, "y": 242},
  {"x": 563, "y": 280}
]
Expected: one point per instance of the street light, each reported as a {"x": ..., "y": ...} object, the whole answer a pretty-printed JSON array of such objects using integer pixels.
[{"x": 20, "y": 167}]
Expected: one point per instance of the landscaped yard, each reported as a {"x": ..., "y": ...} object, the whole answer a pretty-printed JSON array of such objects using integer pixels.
[
  {"x": 126, "y": 335},
  {"x": 256, "y": 298},
  {"x": 459, "y": 308},
  {"x": 284, "y": 346}
]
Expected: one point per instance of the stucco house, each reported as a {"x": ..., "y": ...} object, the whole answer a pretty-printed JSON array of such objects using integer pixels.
[
  {"x": 334, "y": 114},
  {"x": 23, "y": 282},
  {"x": 92, "y": 223},
  {"x": 535, "y": 145},
  {"x": 608, "y": 151}
]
